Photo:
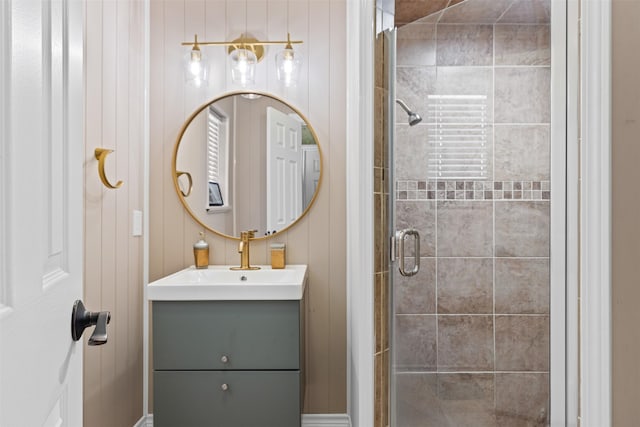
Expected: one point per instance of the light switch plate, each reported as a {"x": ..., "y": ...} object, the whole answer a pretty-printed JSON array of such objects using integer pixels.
[{"x": 137, "y": 224}]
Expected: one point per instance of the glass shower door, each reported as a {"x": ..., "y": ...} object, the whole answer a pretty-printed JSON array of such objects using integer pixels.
[{"x": 470, "y": 331}]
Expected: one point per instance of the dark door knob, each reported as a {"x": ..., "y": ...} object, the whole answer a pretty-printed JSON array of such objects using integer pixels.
[{"x": 82, "y": 319}]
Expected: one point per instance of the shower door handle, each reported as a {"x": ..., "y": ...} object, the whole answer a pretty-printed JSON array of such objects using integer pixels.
[{"x": 401, "y": 236}]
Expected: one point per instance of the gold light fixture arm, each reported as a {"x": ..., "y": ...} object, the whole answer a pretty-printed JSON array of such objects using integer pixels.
[
  {"x": 178, "y": 175},
  {"x": 245, "y": 41},
  {"x": 101, "y": 155}
]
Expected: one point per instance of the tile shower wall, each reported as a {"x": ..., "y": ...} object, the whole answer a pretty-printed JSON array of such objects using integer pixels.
[{"x": 472, "y": 328}]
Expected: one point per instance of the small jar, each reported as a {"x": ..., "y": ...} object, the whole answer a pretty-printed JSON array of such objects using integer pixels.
[
  {"x": 201, "y": 252},
  {"x": 277, "y": 255}
]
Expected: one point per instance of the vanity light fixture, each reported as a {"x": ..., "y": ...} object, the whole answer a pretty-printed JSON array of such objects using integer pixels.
[{"x": 245, "y": 52}]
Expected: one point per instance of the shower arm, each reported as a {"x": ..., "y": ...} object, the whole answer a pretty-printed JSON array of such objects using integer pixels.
[{"x": 404, "y": 106}]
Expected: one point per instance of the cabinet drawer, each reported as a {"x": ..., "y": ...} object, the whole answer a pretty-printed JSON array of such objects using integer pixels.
[
  {"x": 252, "y": 399},
  {"x": 189, "y": 335}
]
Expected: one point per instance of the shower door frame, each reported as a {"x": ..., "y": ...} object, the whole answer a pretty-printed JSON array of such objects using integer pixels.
[
  {"x": 563, "y": 262},
  {"x": 588, "y": 78}
]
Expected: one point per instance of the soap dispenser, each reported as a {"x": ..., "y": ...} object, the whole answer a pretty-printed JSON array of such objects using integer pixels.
[{"x": 201, "y": 252}]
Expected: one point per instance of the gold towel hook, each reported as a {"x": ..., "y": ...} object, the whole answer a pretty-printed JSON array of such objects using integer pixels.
[
  {"x": 101, "y": 155},
  {"x": 178, "y": 175}
]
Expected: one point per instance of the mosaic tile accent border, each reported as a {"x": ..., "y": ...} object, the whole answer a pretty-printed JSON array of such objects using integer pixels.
[{"x": 473, "y": 190}]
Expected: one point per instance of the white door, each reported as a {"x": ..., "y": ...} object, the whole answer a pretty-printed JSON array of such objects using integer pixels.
[
  {"x": 284, "y": 170},
  {"x": 311, "y": 178},
  {"x": 41, "y": 158}
]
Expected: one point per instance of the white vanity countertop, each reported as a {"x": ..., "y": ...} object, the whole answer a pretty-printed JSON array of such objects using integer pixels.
[{"x": 220, "y": 283}]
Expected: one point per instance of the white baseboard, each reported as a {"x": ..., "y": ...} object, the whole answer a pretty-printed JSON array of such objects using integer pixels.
[
  {"x": 308, "y": 420},
  {"x": 325, "y": 420}
]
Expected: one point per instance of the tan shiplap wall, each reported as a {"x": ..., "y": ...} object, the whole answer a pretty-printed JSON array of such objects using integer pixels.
[
  {"x": 626, "y": 212},
  {"x": 114, "y": 97},
  {"x": 319, "y": 240}
]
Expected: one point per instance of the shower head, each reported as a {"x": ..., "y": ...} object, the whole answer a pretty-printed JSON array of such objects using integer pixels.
[{"x": 414, "y": 118}]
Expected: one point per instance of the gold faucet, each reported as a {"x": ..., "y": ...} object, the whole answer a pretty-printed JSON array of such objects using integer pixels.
[{"x": 243, "y": 250}]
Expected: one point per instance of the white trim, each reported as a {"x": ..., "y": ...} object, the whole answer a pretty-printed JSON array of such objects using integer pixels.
[
  {"x": 595, "y": 228},
  {"x": 558, "y": 212},
  {"x": 359, "y": 161},
  {"x": 325, "y": 420},
  {"x": 308, "y": 420},
  {"x": 572, "y": 370},
  {"x": 5, "y": 72},
  {"x": 145, "y": 209}
]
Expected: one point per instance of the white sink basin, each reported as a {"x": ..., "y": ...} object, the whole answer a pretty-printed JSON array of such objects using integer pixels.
[{"x": 218, "y": 282}]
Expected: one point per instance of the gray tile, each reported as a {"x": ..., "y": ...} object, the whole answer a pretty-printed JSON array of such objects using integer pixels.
[
  {"x": 379, "y": 59},
  {"x": 464, "y": 81},
  {"x": 465, "y": 229},
  {"x": 522, "y": 153},
  {"x": 413, "y": 85},
  {"x": 528, "y": 12},
  {"x": 387, "y": 126},
  {"x": 522, "y": 286},
  {"x": 416, "y": 44},
  {"x": 419, "y": 215},
  {"x": 378, "y": 309},
  {"x": 523, "y": 95},
  {"x": 522, "y": 229},
  {"x": 415, "y": 342},
  {"x": 465, "y": 45},
  {"x": 378, "y": 130},
  {"x": 475, "y": 11},
  {"x": 523, "y": 44},
  {"x": 407, "y": 11},
  {"x": 411, "y": 152},
  {"x": 522, "y": 343},
  {"x": 417, "y": 400},
  {"x": 416, "y": 294},
  {"x": 379, "y": 217},
  {"x": 467, "y": 399},
  {"x": 522, "y": 400},
  {"x": 465, "y": 285},
  {"x": 465, "y": 343}
]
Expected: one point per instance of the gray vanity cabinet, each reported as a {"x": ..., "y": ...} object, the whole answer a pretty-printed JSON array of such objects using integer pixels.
[{"x": 228, "y": 363}]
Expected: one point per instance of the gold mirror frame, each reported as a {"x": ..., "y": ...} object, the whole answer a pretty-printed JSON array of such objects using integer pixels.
[{"x": 175, "y": 173}]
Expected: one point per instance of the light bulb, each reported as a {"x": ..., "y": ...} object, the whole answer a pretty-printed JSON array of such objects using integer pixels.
[{"x": 195, "y": 64}]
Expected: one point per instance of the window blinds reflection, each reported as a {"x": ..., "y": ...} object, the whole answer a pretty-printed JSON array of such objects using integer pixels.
[{"x": 458, "y": 137}]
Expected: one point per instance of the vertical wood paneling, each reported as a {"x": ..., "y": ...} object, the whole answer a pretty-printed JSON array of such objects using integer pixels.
[
  {"x": 319, "y": 304},
  {"x": 173, "y": 114},
  {"x": 337, "y": 187},
  {"x": 318, "y": 240},
  {"x": 194, "y": 22},
  {"x": 625, "y": 211},
  {"x": 109, "y": 214},
  {"x": 114, "y": 101},
  {"x": 157, "y": 167},
  {"x": 122, "y": 218},
  {"x": 92, "y": 202}
]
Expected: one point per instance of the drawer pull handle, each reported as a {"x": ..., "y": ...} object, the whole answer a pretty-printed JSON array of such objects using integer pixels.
[
  {"x": 224, "y": 387},
  {"x": 224, "y": 359}
]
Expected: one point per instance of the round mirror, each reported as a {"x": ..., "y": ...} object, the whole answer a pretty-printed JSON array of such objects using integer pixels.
[{"x": 247, "y": 161}]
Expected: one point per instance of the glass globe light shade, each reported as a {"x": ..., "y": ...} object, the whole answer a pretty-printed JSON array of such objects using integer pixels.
[
  {"x": 243, "y": 67},
  {"x": 288, "y": 66},
  {"x": 196, "y": 69}
]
